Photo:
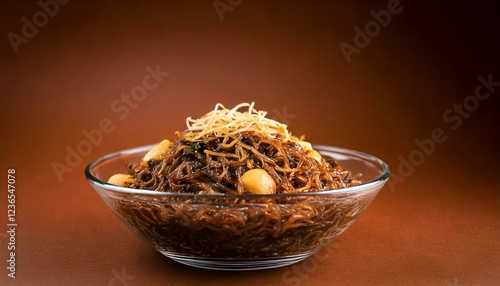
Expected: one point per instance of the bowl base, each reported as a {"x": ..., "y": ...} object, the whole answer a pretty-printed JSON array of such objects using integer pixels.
[{"x": 235, "y": 264}]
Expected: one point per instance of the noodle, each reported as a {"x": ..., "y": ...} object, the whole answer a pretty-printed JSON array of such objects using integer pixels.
[
  {"x": 209, "y": 167},
  {"x": 241, "y": 229},
  {"x": 210, "y": 157}
]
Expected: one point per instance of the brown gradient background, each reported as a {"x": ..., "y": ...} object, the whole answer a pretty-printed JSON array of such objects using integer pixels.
[{"x": 441, "y": 226}]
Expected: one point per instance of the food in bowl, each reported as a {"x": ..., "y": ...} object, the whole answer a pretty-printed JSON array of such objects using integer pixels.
[
  {"x": 236, "y": 190},
  {"x": 231, "y": 152}
]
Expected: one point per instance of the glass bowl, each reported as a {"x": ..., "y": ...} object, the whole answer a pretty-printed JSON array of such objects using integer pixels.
[{"x": 239, "y": 232}]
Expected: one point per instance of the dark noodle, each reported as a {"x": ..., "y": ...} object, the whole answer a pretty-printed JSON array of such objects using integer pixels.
[
  {"x": 215, "y": 167},
  {"x": 234, "y": 227}
]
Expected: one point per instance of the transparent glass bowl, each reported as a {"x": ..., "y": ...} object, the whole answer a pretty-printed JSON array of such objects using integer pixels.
[{"x": 239, "y": 232}]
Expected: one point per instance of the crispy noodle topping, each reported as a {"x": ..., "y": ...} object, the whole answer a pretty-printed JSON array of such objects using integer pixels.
[{"x": 223, "y": 122}]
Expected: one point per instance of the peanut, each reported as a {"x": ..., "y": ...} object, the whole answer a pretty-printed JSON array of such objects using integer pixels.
[{"x": 258, "y": 181}]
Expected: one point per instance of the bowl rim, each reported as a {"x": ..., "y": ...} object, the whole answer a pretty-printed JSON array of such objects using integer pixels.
[{"x": 380, "y": 180}]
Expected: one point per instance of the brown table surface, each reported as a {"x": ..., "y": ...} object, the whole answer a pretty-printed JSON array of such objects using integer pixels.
[{"x": 420, "y": 79}]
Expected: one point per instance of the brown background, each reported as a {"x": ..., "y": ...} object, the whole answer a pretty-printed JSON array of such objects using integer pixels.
[{"x": 440, "y": 226}]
